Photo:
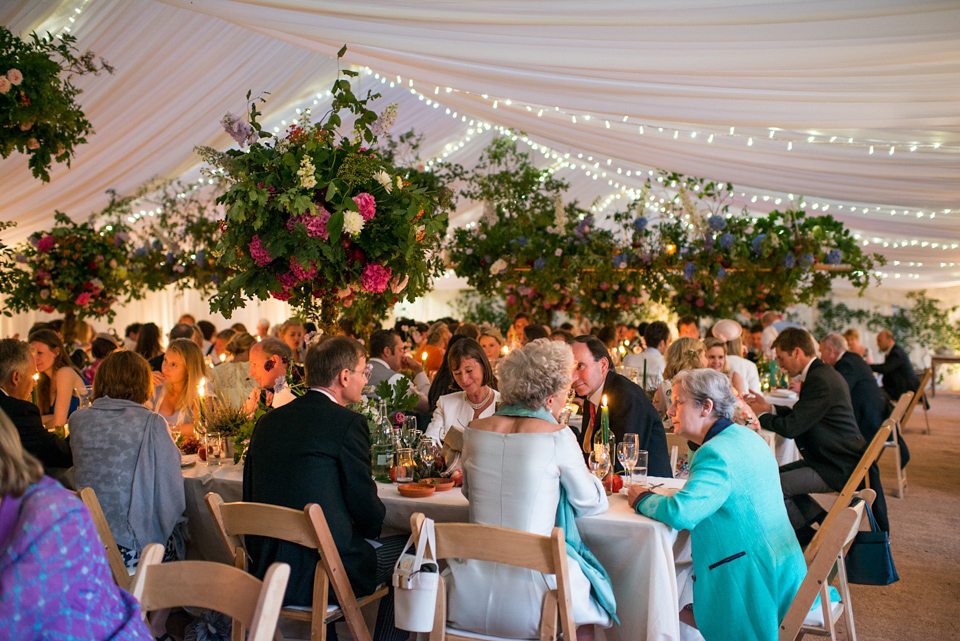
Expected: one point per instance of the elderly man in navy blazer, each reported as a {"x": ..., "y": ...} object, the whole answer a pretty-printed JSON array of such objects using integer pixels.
[{"x": 897, "y": 371}]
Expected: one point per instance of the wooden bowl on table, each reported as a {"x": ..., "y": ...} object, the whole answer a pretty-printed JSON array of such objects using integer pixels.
[
  {"x": 415, "y": 490},
  {"x": 438, "y": 483}
]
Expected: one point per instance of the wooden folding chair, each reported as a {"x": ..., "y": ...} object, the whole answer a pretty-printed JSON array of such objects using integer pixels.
[
  {"x": 869, "y": 457},
  {"x": 920, "y": 395},
  {"x": 308, "y": 528},
  {"x": 829, "y": 556},
  {"x": 894, "y": 442},
  {"x": 546, "y": 554},
  {"x": 253, "y": 605},
  {"x": 117, "y": 568},
  {"x": 678, "y": 446}
]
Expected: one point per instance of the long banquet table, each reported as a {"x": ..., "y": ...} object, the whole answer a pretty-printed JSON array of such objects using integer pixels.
[{"x": 638, "y": 552}]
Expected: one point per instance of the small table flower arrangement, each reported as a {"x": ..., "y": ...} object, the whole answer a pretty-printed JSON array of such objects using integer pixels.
[
  {"x": 74, "y": 269},
  {"x": 322, "y": 221},
  {"x": 39, "y": 114}
]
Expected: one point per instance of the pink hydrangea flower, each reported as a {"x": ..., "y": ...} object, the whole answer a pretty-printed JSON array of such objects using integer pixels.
[
  {"x": 45, "y": 244},
  {"x": 287, "y": 280},
  {"x": 260, "y": 255},
  {"x": 301, "y": 273},
  {"x": 284, "y": 295},
  {"x": 83, "y": 299},
  {"x": 375, "y": 278},
  {"x": 366, "y": 205},
  {"x": 316, "y": 224}
]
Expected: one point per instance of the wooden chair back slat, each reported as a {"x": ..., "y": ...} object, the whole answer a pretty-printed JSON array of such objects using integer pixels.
[
  {"x": 900, "y": 410},
  {"x": 308, "y": 528},
  {"x": 839, "y": 535},
  {"x": 502, "y": 545},
  {"x": 253, "y": 603},
  {"x": 117, "y": 568},
  {"x": 869, "y": 457},
  {"x": 921, "y": 395}
]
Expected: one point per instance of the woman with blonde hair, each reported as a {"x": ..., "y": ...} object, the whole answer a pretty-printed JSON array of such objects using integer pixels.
[
  {"x": 491, "y": 340},
  {"x": 59, "y": 382},
  {"x": 49, "y": 544},
  {"x": 718, "y": 361},
  {"x": 176, "y": 400},
  {"x": 683, "y": 354}
]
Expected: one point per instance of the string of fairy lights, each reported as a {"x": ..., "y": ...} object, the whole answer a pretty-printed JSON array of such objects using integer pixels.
[{"x": 617, "y": 176}]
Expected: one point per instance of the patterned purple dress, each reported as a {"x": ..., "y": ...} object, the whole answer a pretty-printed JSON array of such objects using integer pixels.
[{"x": 54, "y": 579}]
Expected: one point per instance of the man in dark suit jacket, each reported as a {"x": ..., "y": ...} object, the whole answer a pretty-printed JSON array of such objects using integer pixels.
[
  {"x": 630, "y": 409},
  {"x": 315, "y": 450},
  {"x": 870, "y": 404},
  {"x": 821, "y": 422},
  {"x": 16, "y": 384},
  {"x": 898, "y": 374}
]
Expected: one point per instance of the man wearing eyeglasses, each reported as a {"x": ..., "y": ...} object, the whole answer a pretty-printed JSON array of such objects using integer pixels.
[{"x": 315, "y": 450}]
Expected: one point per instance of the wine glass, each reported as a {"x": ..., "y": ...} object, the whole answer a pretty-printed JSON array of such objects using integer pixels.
[
  {"x": 627, "y": 453},
  {"x": 427, "y": 451},
  {"x": 599, "y": 462},
  {"x": 408, "y": 432}
]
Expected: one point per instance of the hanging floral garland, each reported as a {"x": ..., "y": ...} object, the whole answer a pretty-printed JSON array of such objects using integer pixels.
[
  {"x": 75, "y": 269},
  {"x": 322, "y": 222},
  {"x": 39, "y": 114}
]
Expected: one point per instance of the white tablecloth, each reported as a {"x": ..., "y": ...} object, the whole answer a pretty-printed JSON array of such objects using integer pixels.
[
  {"x": 784, "y": 448},
  {"x": 637, "y": 552}
]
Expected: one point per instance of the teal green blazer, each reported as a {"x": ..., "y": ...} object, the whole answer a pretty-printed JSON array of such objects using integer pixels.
[{"x": 746, "y": 560}]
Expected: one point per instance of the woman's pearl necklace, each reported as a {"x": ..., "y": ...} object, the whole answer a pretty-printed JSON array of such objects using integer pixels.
[{"x": 486, "y": 399}]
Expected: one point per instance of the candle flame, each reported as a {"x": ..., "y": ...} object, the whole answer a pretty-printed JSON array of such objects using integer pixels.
[
  {"x": 604, "y": 402},
  {"x": 505, "y": 350},
  {"x": 202, "y": 387},
  {"x": 36, "y": 376},
  {"x": 223, "y": 358}
]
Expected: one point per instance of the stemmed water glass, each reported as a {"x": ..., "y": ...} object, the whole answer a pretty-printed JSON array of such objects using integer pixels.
[
  {"x": 599, "y": 462},
  {"x": 633, "y": 440},
  {"x": 408, "y": 433},
  {"x": 627, "y": 453}
]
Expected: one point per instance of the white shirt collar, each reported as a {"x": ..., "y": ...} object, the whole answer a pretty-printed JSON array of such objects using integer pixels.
[
  {"x": 597, "y": 396},
  {"x": 803, "y": 374},
  {"x": 326, "y": 393}
]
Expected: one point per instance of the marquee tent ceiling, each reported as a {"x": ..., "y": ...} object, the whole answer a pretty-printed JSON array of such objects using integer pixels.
[{"x": 853, "y": 104}]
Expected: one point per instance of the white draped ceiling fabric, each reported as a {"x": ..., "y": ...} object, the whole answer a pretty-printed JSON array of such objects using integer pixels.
[{"x": 852, "y": 104}]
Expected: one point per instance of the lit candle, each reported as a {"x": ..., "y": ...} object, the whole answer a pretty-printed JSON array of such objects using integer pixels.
[
  {"x": 605, "y": 420},
  {"x": 202, "y": 388},
  {"x": 36, "y": 379},
  {"x": 505, "y": 350},
  {"x": 423, "y": 357},
  {"x": 623, "y": 350},
  {"x": 223, "y": 358}
]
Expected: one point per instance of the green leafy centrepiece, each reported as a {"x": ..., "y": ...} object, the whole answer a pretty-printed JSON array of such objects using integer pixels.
[
  {"x": 39, "y": 114},
  {"x": 323, "y": 222}
]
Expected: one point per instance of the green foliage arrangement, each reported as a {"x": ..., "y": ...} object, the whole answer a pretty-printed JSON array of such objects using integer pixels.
[
  {"x": 925, "y": 323},
  {"x": 75, "y": 269},
  {"x": 470, "y": 307},
  {"x": 529, "y": 247},
  {"x": 39, "y": 114},
  {"x": 324, "y": 222}
]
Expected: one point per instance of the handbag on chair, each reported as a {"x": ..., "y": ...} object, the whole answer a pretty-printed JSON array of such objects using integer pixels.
[
  {"x": 416, "y": 578},
  {"x": 869, "y": 561}
]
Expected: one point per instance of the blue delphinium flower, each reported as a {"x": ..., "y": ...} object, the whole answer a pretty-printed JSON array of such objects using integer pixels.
[
  {"x": 717, "y": 222},
  {"x": 619, "y": 261},
  {"x": 520, "y": 241},
  {"x": 834, "y": 256},
  {"x": 806, "y": 261},
  {"x": 689, "y": 270},
  {"x": 170, "y": 257},
  {"x": 640, "y": 224},
  {"x": 721, "y": 273},
  {"x": 789, "y": 260},
  {"x": 201, "y": 258},
  {"x": 139, "y": 251},
  {"x": 540, "y": 263},
  {"x": 756, "y": 244},
  {"x": 726, "y": 241}
]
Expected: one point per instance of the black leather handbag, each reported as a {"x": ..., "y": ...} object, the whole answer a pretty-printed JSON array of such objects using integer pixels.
[{"x": 869, "y": 561}]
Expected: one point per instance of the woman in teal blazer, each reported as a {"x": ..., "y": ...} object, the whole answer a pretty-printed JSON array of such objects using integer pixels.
[{"x": 747, "y": 563}]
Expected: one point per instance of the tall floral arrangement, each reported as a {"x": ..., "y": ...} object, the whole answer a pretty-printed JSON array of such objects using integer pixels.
[
  {"x": 688, "y": 250},
  {"x": 322, "y": 220},
  {"x": 75, "y": 269},
  {"x": 529, "y": 246},
  {"x": 39, "y": 113}
]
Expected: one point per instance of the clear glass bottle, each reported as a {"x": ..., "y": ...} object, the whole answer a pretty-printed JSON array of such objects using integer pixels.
[{"x": 381, "y": 453}]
